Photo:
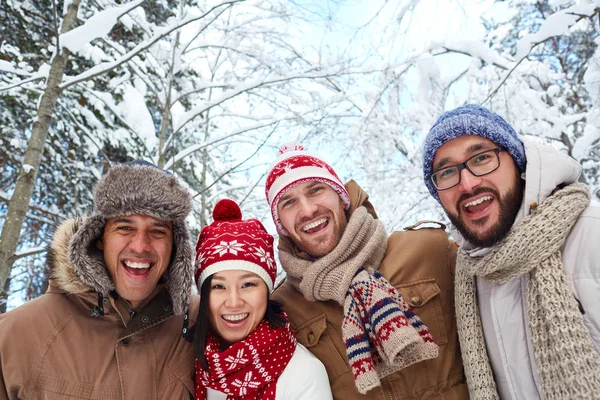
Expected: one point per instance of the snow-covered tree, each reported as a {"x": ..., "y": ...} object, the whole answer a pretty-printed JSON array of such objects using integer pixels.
[
  {"x": 538, "y": 68},
  {"x": 188, "y": 85}
]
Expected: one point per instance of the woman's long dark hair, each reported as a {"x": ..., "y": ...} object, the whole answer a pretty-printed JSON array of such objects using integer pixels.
[{"x": 272, "y": 315}]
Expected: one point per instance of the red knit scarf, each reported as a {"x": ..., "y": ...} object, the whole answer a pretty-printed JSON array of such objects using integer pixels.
[{"x": 249, "y": 369}]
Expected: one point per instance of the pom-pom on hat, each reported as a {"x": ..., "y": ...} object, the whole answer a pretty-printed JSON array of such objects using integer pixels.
[
  {"x": 294, "y": 165},
  {"x": 470, "y": 119},
  {"x": 230, "y": 243}
]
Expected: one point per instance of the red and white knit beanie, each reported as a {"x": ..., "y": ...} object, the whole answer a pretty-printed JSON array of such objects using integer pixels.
[
  {"x": 230, "y": 243},
  {"x": 294, "y": 165}
]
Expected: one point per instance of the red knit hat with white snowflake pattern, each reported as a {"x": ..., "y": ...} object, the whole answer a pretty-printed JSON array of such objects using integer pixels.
[
  {"x": 230, "y": 243},
  {"x": 294, "y": 165}
]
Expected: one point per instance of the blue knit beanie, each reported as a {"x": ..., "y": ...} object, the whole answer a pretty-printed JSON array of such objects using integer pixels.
[{"x": 470, "y": 119}]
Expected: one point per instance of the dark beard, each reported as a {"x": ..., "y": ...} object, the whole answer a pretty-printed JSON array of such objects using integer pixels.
[{"x": 509, "y": 207}]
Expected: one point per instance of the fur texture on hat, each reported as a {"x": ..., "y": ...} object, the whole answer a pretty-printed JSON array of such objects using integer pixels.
[
  {"x": 230, "y": 243},
  {"x": 470, "y": 119},
  {"x": 129, "y": 189},
  {"x": 294, "y": 165}
]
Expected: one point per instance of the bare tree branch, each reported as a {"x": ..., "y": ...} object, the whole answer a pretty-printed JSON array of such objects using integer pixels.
[{"x": 27, "y": 253}]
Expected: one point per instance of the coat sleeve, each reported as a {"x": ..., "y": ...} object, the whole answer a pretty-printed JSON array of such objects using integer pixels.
[
  {"x": 3, "y": 392},
  {"x": 581, "y": 261},
  {"x": 304, "y": 378},
  {"x": 6, "y": 383}
]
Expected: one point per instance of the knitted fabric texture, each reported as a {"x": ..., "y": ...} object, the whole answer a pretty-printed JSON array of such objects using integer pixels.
[
  {"x": 294, "y": 166},
  {"x": 470, "y": 119},
  {"x": 567, "y": 362},
  {"x": 382, "y": 335},
  {"x": 142, "y": 189},
  {"x": 230, "y": 243},
  {"x": 249, "y": 369}
]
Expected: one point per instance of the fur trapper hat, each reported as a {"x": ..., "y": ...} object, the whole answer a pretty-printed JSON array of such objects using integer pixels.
[{"x": 129, "y": 189}]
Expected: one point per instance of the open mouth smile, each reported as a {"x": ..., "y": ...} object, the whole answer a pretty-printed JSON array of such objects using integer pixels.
[
  {"x": 235, "y": 318},
  {"x": 316, "y": 226},
  {"x": 137, "y": 268},
  {"x": 478, "y": 206}
]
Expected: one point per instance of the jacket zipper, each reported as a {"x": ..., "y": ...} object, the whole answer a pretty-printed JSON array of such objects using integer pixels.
[{"x": 387, "y": 389}]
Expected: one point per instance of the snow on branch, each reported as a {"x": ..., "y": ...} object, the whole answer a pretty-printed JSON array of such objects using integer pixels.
[
  {"x": 555, "y": 25},
  {"x": 41, "y": 73},
  {"x": 192, "y": 149},
  {"x": 6, "y": 66},
  {"x": 479, "y": 50},
  {"x": 161, "y": 33},
  {"x": 245, "y": 87},
  {"x": 97, "y": 26}
]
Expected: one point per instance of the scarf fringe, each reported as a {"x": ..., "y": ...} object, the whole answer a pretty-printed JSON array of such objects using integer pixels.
[{"x": 381, "y": 333}]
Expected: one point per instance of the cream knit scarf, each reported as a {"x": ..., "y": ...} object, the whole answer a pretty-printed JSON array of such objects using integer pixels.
[
  {"x": 566, "y": 360},
  {"x": 381, "y": 334}
]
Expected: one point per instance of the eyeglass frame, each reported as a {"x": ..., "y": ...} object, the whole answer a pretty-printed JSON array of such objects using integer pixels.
[{"x": 463, "y": 165}]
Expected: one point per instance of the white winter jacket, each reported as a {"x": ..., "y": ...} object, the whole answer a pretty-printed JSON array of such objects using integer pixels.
[
  {"x": 503, "y": 307},
  {"x": 304, "y": 378}
]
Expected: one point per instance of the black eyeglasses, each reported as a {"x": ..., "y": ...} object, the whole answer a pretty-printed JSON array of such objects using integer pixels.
[{"x": 480, "y": 164}]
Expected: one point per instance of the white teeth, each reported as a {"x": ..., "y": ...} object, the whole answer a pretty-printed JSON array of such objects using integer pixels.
[
  {"x": 235, "y": 317},
  {"x": 133, "y": 264},
  {"x": 478, "y": 201},
  {"x": 314, "y": 224}
]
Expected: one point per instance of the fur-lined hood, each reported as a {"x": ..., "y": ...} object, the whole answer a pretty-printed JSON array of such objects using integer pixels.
[
  {"x": 67, "y": 277},
  {"x": 63, "y": 274},
  {"x": 136, "y": 188}
]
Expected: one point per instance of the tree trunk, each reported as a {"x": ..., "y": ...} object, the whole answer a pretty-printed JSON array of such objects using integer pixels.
[
  {"x": 4, "y": 296},
  {"x": 17, "y": 207}
]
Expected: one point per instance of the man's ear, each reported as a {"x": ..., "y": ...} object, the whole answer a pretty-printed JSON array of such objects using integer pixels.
[{"x": 100, "y": 245}]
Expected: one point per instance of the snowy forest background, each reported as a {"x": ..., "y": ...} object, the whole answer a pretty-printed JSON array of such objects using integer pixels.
[{"x": 210, "y": 89}]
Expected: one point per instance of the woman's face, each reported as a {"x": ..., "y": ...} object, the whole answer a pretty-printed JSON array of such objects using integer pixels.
[{"x": 237, "y": 304}]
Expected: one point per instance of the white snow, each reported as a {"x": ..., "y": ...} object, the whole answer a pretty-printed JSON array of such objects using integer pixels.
[
  {"x": 135, "y": 112},
  {"x": 591, "y": 135},
  {"x": 6, "y": 66},
  {"x": 553, "y": 90},
  {"x": 592, "y": 78},
  {"x": 66, "y": 5},
  {"x": 480, "y": 50},
  {"x": 556, "y": 24},
  {"x": 28, "y": 168},
  {"x": 97, "y": 26},
  {"x": 191, "y": 149}
]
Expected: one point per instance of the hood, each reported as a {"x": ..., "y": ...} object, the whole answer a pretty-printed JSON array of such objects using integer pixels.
[
  {"x": 358, "y": 197},
  {"x": 547, "y": 169},
  {"x": 85, "y": 277},
  {"x": 63, "y": 275}
]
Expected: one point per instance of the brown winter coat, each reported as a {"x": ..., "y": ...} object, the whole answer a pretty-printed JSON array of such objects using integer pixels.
[
  {"x": 420, "y": 264},
  {"x": 54, "y": 348}
]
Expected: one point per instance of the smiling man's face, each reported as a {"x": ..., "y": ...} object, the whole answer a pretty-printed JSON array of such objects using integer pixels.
[
  {"x": 482, "y": 208},
  {"x": 137, "y": 251},
  {"x": 313, "y": 215}
]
